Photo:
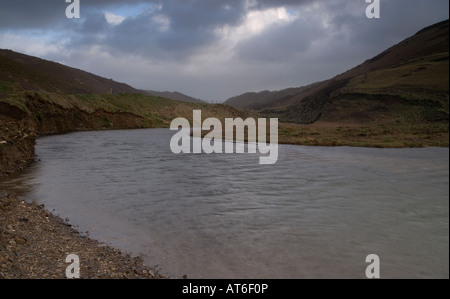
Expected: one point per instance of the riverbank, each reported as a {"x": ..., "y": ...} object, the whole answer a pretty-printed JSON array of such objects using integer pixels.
[
  {"x": 17, "y": 139},
  {"x": 330, "y": 134},
  {"x": 34, "y": 243},
  {"x": 374, "y": 135}
]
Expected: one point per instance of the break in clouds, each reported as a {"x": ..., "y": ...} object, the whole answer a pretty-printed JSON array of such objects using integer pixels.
[{"x": 212, "y": 49}]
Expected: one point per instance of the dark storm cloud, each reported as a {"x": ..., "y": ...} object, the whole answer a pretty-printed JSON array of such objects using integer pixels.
[
  {"x": 280, "y": 42},
  {"x": 263, "y": 4},
  {"x": 203, "y": 14},
  {"x": 46, "y": 14},
  {"x": 42, "y": 14},
  {"x": 29, "y": 14},
  {"x": 191, "y": 23},
  {"x": 400, "y": 18},
  {"x": 191, "y": 26}
]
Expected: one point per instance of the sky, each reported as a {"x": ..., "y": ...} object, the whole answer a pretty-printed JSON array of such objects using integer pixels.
[{"x": 212, "y": 49}]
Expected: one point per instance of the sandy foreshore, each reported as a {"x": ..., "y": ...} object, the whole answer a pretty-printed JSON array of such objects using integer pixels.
[{"x": 34, "y": 244}]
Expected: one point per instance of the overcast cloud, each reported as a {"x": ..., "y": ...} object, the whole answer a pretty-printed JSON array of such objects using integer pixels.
[{"x": 212, "y": 49}]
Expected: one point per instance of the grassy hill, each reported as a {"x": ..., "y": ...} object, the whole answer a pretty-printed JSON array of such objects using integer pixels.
[
  {"x": 176, "y": 96},
  {"x": 33, "y": 73},
  {"x": 26, "y": 113},
  {"x": 36, "y": 86},
  {"x": 148, "y": 111},
  {"x": 399, "y": 98},
  {"x": 267, "y": 99},
  {"x": 414, "y": 70}
]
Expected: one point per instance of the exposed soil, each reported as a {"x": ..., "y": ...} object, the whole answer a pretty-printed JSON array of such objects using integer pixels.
[
  {"x": 17, "y": 139},
  {"x": 19, "y": 130}
]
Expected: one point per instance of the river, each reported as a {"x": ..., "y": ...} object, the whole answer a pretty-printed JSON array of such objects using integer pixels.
[{"x": 317, "y": 213}]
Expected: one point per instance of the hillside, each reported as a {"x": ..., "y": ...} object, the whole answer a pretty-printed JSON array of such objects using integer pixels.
[
  {"x": 33, "y": 73},
  {"x": 24, "y": 115},
  {"x": 176, "y": 96},
  {"x": 408, "y": 77},
  {"x": 267, "y": 99}
]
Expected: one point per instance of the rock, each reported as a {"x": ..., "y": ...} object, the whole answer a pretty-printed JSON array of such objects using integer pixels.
[
  {"x": 20, "y": 241},
  {"x": 6, "y": 205}
]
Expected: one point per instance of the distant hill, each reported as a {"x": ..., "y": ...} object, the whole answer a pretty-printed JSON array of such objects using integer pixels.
[
  {"x": 412, "y": 73},
  {"x": 176, "y": 96},
  {"x": 266, "y": 99},
  {"x": 33, "y": 73}
]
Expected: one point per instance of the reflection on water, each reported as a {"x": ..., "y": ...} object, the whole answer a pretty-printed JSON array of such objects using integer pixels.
[{"x": 317, "y": 213}]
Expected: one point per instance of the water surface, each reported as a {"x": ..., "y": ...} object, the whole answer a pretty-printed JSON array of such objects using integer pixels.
[{"x": 317, "y": 213}]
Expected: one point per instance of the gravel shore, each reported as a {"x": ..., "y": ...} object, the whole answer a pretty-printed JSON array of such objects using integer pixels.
[{"x": 34, "y": 244}]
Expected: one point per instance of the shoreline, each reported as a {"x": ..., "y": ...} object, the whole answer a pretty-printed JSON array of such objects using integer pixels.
[{"x": 34, "y": 244}]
